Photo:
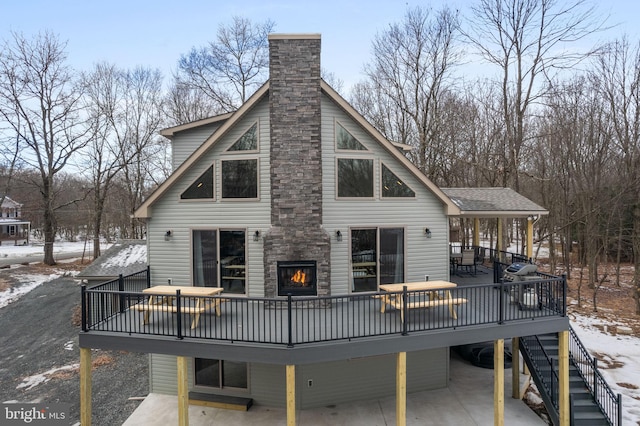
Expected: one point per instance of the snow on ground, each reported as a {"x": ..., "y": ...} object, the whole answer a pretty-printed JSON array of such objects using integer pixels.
[
  {"x": 33, "y": 381},
  {"x": 29, "y": 282},
  {"x": 621, "y": 354},
  {"x": 7, "y": 249},
  {"x": 619, "y": 361}
]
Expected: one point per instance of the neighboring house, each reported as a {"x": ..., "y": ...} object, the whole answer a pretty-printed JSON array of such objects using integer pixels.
[
  {"x": 125, "y": 257},
  {"x": 296, "y": 183},
  {"x": 12, "y": 227}
]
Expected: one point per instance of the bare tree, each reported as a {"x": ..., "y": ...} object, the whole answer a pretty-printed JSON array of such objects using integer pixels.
[
  {"x": 409, "y": 74},
  {"x": 229, "y": 69},
  {"x": 528, "y": 41},
  {"x": 618, "y": 74},
  {"x": 125, "y": 113},
  {"x": 39, "y": 100}
]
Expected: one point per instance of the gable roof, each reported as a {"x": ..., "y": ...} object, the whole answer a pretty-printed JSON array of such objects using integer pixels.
[
  {"x": 144, "y": 211},
  {"x": 124, "y": 257},
  {"x": 8, "y": 202},
  {"x": 493, "y": 202},
  {"x": 170, "y": 131}
]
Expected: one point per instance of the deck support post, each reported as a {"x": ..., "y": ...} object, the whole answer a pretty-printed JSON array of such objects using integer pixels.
[
  {"x": 563, "y": 379},
  {"x": 476, "y": 231},
  {"x": 291, "y": 395},
  {"x": 529, "y": 237},
  {"x": 183, "y": 391},
  {"x": 498, "y": 382},
  {"x": 85, "y": 386},
  {"x": 401, "y": 389},
  {"x": 499, "y": 236},
  {"x": 515, "y": 369}
]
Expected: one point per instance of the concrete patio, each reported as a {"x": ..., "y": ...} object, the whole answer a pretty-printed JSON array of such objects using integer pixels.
[{"x": 468, "y": 401}]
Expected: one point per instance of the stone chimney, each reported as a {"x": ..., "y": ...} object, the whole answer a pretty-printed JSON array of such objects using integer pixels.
[{"x": 296, "y": 159}]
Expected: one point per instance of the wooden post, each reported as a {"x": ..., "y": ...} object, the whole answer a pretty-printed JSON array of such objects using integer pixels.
[
  {"x": 183, "y": 392},
  {"x": 476, "y": 231},
  {"x": 499, "y": 237},
  {"x": 85, "y": 386},
  {"x": 401, "y": 389},
  {"x": 291, "y": 395},
  {"x": 498, "y": 382},
  {"x": 563, "y": 379},
  {"x": 529, "y": 237},
  {"x": 515, "y": 368}
]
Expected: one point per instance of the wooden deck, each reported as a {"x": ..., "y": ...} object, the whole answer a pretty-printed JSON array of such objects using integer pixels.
[{"x": 308, "y": 320}]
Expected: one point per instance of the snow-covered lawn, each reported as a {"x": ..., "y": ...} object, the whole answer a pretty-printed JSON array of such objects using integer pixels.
[{"x": 623, "y": 375}]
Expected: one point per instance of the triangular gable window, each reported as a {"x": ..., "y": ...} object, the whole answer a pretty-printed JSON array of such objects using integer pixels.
[
  {"x": 393, "y": 186},
  {"x": 201, "y": 188},
  {"x": 346, "y": 140},
  {"x": 248, "y": 141}
]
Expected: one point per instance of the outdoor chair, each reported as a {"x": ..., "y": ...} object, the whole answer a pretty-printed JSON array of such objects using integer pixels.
[{"x": 468, "y": 260}]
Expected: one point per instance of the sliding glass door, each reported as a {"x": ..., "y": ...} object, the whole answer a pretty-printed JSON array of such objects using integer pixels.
[
  {"x": 226, "y": 248},
  {"x": 377, "y": 257}
]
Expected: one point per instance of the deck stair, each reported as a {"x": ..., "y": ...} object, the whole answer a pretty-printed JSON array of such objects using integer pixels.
[{"x": 540, "y": 353}]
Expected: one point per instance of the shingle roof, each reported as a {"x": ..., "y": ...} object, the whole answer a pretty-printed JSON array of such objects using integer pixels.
[
  {"x": 124, "y": 257},
  {"x": 493, "y": 202}
]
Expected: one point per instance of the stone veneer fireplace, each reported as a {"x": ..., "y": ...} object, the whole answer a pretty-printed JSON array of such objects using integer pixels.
[{"x": 296, "y": 161}]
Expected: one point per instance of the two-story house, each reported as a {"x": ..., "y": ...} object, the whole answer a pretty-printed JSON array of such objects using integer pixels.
[
  {"x": 12, "y": 226},
  {"x": 296, "y": 197}
]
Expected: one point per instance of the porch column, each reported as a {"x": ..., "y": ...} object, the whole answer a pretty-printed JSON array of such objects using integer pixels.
[
  {"x": 563, "y": 379},
  {"x": 291, "y": 395},
  {"x": 183, "y": 392},
  {"x": 401, "y": 389},
  {"x": 529, "y": 237},
  {"x": 85, "y": 386},
  {"x": 476, "y": 231},
  {"x": 515, "y": 368},
  {"x": 499, "y": 238},
  {"x": 498, "y": 382}
]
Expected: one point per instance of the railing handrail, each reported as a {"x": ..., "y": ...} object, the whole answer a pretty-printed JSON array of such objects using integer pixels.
[
  {"x": 106, "y": 303},
  {"x": 614, "y": 400}
]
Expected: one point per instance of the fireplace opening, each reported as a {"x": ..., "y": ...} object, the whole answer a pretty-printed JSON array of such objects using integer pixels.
[{"x": 297, "y": 278}]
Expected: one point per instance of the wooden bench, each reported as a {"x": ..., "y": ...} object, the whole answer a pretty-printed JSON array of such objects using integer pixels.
[
  {"x": 451, "y": 302},
  {"x": 196, "y": 311}
]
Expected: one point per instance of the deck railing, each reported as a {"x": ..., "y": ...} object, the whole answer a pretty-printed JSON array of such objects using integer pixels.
[
  {"x": 609, "y": 402},
  {"x": 302, "y": 320}
]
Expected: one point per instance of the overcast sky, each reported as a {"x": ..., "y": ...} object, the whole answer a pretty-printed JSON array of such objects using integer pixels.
[{"x": 155, "y": 33}]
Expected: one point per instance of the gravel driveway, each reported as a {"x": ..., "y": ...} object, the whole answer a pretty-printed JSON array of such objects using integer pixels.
[{"x": 39, "y": 353}]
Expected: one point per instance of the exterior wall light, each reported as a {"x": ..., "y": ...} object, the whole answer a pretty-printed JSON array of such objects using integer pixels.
[
  {"x": 256, "y": 236},
  {"x": 338, "y": 235},
  {"x": 427, "y": 232},
  {"x": 167, "y": 235}
]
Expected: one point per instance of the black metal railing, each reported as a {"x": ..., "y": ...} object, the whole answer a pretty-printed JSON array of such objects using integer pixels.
[
  {"x": 610, "y": 403},
  {"x": 546, "y": 370},
  {"x": 301, "y": 320}
]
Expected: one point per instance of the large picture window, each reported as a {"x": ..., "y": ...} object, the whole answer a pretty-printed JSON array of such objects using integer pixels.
[
  {"x": 240, "y": 178},
  {"x": 220, "y": 374},
  {"x": 377, "y": 257},
  {"x": 355, "y": 177}
]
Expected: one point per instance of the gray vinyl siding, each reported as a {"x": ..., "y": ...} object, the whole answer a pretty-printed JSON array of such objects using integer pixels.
[
  {"x": 185, "y": 142},
  {"x": 172, "y": 259},
  {"x": 163, "y": 374},
  {"x": 423, "y": 256},
  {"x": 362, "y": 378}
]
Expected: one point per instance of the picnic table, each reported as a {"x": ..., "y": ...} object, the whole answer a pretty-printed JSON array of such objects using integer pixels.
[
  {"x": 162, "y": 297},
  {"x": 438, "y": 293}
]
